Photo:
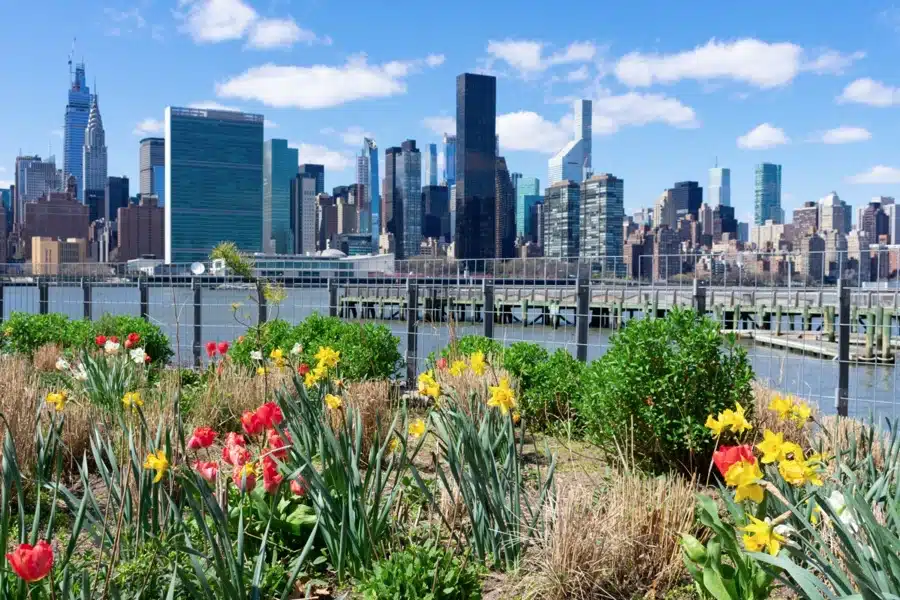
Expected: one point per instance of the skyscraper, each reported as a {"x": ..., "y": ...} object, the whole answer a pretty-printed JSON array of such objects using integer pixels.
[
  {"x": 834, "y": 214},
  {"x": 76, "y": 121},
  {"x": 688, "y": 196},
  {"x": 719, "y": 187},
  {"x": 562, "y": 205},
  {"x": 408, "y": 220},
  {"x": 115, "y": 196},
  {"x": 528, "y": 193},
  {"x": 429, "y": 165},
  {"x": 153, "y": 168},
  {"x": 573, "y": 162},
  {"x": 768, "y": 194},
  {"x": 140, "y": 228},
  {"x": 7, "y": 200},
  {"x": 436, "y": 212},
  {"x": 318, "y": 173},
  {"x": 94, "y": 152},
  {"x": 505, "y": 213},
  {"x": 601, "y": 212},
  {"x": 390, "y": 197},
  {"x": 214, "y": 164},
  {"x": 367, "y": 176},
  {"x": 476, "y": 131},
  {"x": 279, "y": 170},
  {"x": 303, "y": 214},
  {"x": 449, "y": 159},
  {"x": 34, "y": 178}
]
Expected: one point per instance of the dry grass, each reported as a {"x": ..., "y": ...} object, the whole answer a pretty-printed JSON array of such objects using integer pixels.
[
  {"x": 840, "y": 434},
  {"x": 620, "y": 541},
  {"x": 460, "y": 389},
  {"x": 46, "y": 356},
  {"x": 763, "y": 419},
  {"x": 373, "y": 401},
  {"x": 229, "y": 394}
]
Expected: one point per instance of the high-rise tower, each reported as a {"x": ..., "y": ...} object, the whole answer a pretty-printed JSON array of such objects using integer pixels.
[
  {"x": 94, "y": 152},
  {"x": 719, "y": 187},
  {"x": 573, "y": 162},
  {"x": 367, "y": 176},
  {"x": 78, "y": 112},
  {"x": 153, "y": 168},
  {"x": 768, "y": 194}
]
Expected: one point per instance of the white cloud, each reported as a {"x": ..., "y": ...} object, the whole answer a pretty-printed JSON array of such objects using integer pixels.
[
  {"x": 269, "y": 124},
  {"x": 762, "y": 137},
  {"x": 434, "y": 60},
  {"x": 440, "y": 125},
  {"x": 212, "y": 21},
  {"x": 758, "y": 63},
  {"x": 635, "y": 109},
  {"x": 526, "y": 130},
  {"x": 57, "y": 133},
  {"x": 6, "y": 183},
  {"x": 352, "y": 136},
  {"x": 879, "y": 174},
  {"x": 871, "y": 92},
  {"x": 124, "y": 21},
  {"x": 844, "y": 135},
  {"x": 333, "y": 160},
  {"x": 579, "y": 74},
  {"x": 320, "y": 86},
  {"x": 148, "y": 127},
  {"x": 211, "y": 105},
  {"x": 527, "y": 56}
]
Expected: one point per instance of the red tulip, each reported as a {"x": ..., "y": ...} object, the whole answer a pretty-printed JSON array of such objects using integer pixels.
[
  {"x": 223, "y": 348},
  {"x": 245, "y": 482},
  {"x": 146, "y": 358},
  {"x": 210, "y": 349},
  {"x": 271, "y": 477},
  {"x": 32, "y": 563},
  {"x": 202, "y": 438},
  {"x": 251, "y": 423},
  {"x": 114, "y": 339},
  {"x": 100, "y": 340},
  {"x": 207, "y": 469},
  {"x": 442, "y": 363},
  {"x": 269, "y": 414},
  {"x": 298, "y": 486},
  {"x": 726, "y": 456},
  {"x": 235, "y": 439},
  {"x": 278, "y": 445},
  {"x": 303, "y": 369},
  {"x": 237, "y": 456},
  {"x": 134, "y": 338}
]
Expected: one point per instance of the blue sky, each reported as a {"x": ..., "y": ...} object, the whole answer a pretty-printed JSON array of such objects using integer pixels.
[{"x": 810, "y": 85}]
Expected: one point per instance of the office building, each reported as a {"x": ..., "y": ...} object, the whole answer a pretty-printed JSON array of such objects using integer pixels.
[
  {"x": 279, "y": 171},
  {"x": 688, "y": 197},
  {"x": 893, "y": 215},
  {"x": 806, "y": 218},
  {"x": 538, "y": 223},
  {"x": 874, "y": 221},
  {"x": 602, "y": 211},
  {"x": 449, "y": 159},
  {"x": 94, "y": 159},
  {"x": 643, "y": 216},
  {"x": 859, "y": 257},
  {"x": 436, "y": 211},
  {"x": 6, "y": 199},
  {"x": 56, "y": 215},
  {"x": 771, "y": 236},
  {"x": 390, "y": 194},
  {"x": 214, "y": 181},
  {"x": 304, "y": 216},
  {"x": 353, "y": 244},
  {"x": 317, "y": 172},
  {"x": 835, "y": 252},
  {"x": 528, "y": 193},
  {"x": 705, "y": 217},
  {"x": 50, "y": 256},
  {"x": 153, "y": 167},
  {"x": 78, "y": 111},
  {"x": 476, "y": 161},
  {"x": 326, "y": 217},
  {"x": 367, "y": 178},
  {"x": 664, "y": 210},
  {"x": 95, "y": 200},
  {"x": 666, "y": 253},
  {"x": 811, "y": 257},
  {"x": 429, "y": 165},
  {"x": 505, "y": 212},
  {"x": 573, "y": 162},
  {"x": 115, "y": 196},
  {"x": 719, "y": 186},
  {"x": 141, "y": 229},
  {"x": 767, "y": 204},
  {"x": 346, "y": 216},
  {"x": 743, "y": 232},
  {"x": 724, "y": 223},
  {"x": 562, "y": 228},
  {"x": 834, "y": 214},
  {"x": 34, "y": 179},
  {"x": 408, "y": 201}
]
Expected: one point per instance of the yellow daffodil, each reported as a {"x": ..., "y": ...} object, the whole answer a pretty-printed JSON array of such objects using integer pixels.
[
  {"x": 502, "y": 396},
  {"x": 315, "y": 375},
  {"x": 745, "y": 477},
  {"x": 813, "y": 469},
  {"x": 781, "y": 405},
  {"x": 477, "y": 362},
  {"x": 793, "y": 471},
  {"x": 159, "y": 463},
  {"x": 261, "y": 370},
  {"x": 771, "y": 447},
  {"x": 57, "y": 400},
  {"x": 458, "y": 368},
  {"x": 761, "y": 535},
  {"x": 333, "y": 402},
  {"x": 737, "y": 420},
  {"x": 132, "y": 400},
  {"x": 790, "y": 450},
  {"x": 715, "y": 425},
  {"x": 417, "y": 429},
  {"x": 428, "y": 386},
  {"x": 800, "y": 413},
  {"x": 393, "y": 445},
  {"x": 328, "y": 357},
  {"x": 276, "y": 354}
]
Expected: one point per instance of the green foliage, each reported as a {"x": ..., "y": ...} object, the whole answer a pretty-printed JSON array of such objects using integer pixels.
[
  {"x": 422, "y": 572},
  {"x": 549, "y": 385},
  {"x": 523, "y": 360},
  {"x": 657, "y": 383},
  {"x": 153, "y": 340},
  {"x": 468, "y": 345},
  {"x": 238, "y": 262}
]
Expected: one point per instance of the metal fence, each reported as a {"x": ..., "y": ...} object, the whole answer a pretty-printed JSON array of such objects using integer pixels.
[{"x": 831, "y": 341}]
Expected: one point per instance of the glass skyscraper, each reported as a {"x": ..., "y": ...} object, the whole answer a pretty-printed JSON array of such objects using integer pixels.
[
  {"x": 318, "y": 173},
  {"x": 601, "y": 214},
  {"x": 430, "y": 165},
  {"x": 476, "y": 160},
  {"x": 719, "y": 187},
  {"x": 367, "y": 175},
  {"x": 449, "y": 159},
  {"x": 767, "y": 203},
  {"x": 78, "y": 111},
  {"x": 528, "y": 193},
  {"x": 279, "y": 170},
  {"x": 214, "y": 181},
  {"x": 153, "y": 162},
  {"x": 408, "y": 220}
]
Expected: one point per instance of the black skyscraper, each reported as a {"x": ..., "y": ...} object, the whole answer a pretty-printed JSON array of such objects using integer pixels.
[
  {"x": 116, "y": 196},
  {"x": 688, "y": 198},
  {"x": 436, "y": 211},
  {"x": 476, "y": 157},
  {"x": 317, "y": 171},
  {"x": 390, "y": 192}
]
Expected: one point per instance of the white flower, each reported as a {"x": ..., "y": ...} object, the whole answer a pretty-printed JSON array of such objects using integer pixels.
[
  {"x": 839, "y": 505},
  {"x": 297, "y": 349},
  {"x": 256, "y": 355},
  {"x": 111, "y": 347},
  {"x": 138, "y": 356},
  {"x": 80, "y": 373},
  {"x": 62, "y": 364}
]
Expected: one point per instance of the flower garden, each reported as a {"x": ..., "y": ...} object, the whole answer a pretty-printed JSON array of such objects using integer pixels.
[{"x": 297, "y": 465}]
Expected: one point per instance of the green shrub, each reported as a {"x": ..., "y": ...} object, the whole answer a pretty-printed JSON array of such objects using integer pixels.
[
  {"x": 422, "y": 572},
  {"x": 153, "y": 340},
  {"x": 549, "y": 387},
  {"x": 653, "y": 389},
  {"x": 24, "y": 333},
  {"x": 523, "y": 359},
  {"x": 468, "y": 345}
]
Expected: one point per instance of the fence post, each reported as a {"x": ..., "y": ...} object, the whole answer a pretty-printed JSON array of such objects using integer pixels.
[
  {"x": 840, "y": 399},
  {"x": 262, "y": 307},
  {"x": 582, "y": 317},
  {"x": 332, "y": 298},
  {"x": 86, "y": 292},
  {"x": 2, "y": 287},
  {"x": 198, "y": 323},
  {"x": 43, "y": 297},
  {"x": 698, "y": 300},
  {"x": 487, "y": 309},
  {"x": 412, "y": 316},
  {"x": 144, "y": 291}
]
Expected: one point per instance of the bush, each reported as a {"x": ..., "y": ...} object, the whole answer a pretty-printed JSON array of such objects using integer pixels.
[
  {"x": 422, "y": 571},
  {"x": 153, "y": 340},
  {"x": 656, "y": 385},
  {"x": 549, "y": 385}
]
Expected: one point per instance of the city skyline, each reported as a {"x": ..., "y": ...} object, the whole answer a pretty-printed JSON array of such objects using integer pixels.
[{"x": 694, "y": 93}]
